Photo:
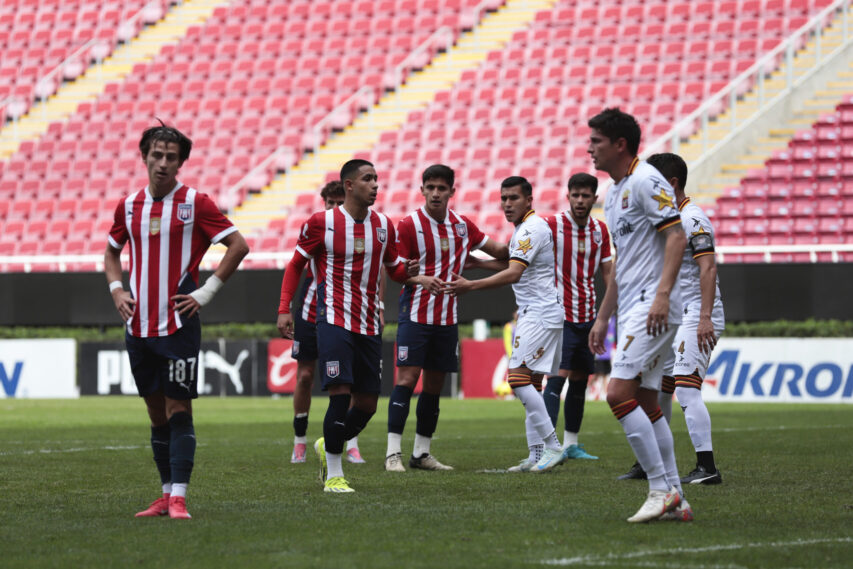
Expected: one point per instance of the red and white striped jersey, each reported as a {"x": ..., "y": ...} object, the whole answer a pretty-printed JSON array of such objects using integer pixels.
[
  {"x": 440, "y": 248},
  {"x": 168, "y": 237},
  {"x": 348, "y": 255},
  {"x": 579, "y": 252}
]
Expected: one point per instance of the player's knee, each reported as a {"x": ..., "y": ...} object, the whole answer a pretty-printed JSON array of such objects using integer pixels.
[{"x": 305, "y": 378}]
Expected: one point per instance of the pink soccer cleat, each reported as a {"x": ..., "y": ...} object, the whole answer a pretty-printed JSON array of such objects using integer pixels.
[
  {"x": 354, "y": 456},
  {"x": 178, "y": 508},
  {"x": 159, "y": 507}
]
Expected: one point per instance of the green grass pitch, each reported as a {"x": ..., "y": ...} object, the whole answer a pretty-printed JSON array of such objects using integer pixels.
[{"x": 74, "y": 473}]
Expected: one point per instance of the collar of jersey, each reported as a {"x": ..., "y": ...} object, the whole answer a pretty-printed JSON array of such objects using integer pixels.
[
  {"x": 684, "y": 203},
  {"x": 528, "y": 214},
  {"x": 148, "y": 191},
  {"x": 433, "y": 220},
  {"x": 633, "y": 166}
]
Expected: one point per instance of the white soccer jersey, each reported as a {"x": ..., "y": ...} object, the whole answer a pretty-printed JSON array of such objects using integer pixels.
[
  {"x": 532, "y": 245},
  {"x": 700, "y": 241},
  {"x": 637, "y": 209}
]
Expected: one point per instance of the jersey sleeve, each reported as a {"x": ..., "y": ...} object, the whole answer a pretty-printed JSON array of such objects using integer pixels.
[
  {"x": 211, "y": 221},
  {"x": 118, "y": 232},
  {"x": 606, "y": 253},
  {"x": 407, "y": 246},
  {"x": 526, "y": 244},
  {"x": 476, "y": 237},
  {"x": 658, "y": 200},
  {"x": 311, "y": 240},
  {"x": 392, "y": 256},
  {"x": 700, "y": 235}
]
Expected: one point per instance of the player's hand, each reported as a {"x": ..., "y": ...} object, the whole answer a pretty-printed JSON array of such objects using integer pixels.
[
  {"x": 658, "y": 320},
  {"x": 186, "y": 305},
  {"x": 285, "y": 325},
  {"x": 457, "y": 286},
  {"x": 124, "y": 303},
  {"x": 705, "y": 335},
  {"x": 413, "y": 267},
  {"x": 433, "y": 284},
  {"x": 597, "y": 334}
]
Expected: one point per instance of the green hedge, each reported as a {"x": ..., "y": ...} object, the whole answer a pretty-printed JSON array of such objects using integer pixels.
[{"x": 777, "y": 329}]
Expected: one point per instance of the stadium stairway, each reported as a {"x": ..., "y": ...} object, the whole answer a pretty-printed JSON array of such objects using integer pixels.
[
  {"x": 389, "y": 113},
  {"x": 114, "y": 68},
  {"x": 826, "y": 96}
]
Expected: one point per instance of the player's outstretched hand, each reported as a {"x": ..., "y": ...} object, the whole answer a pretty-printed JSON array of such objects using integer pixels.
[
  {"x": 186, "y": 305},
  {"x": 658, "y": 319},
  {"x": 413, "y": 267},
  {"x": 596, "y": 337},
  {"x": 124, "y": 303},
  {"x": 459, "y": 285},
  {"x": 285, "y": 325},
  {"x": 705, "y": 335}
]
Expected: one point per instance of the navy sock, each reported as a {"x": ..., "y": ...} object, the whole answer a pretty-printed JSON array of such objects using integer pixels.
[
  {"x": 575, "y": 399},
  {"x": 334, "y": 423},
  {"x": 182, "y": 448},
  {"x": 300, "y": 426},
  {"x": 705, "y": 459},
  {"x": 553, "y": 388},
  {"x": 160, "y": 442},
  {"x": 355, "y": 422},
  {"x": 398, "y": 409},
  {"x": 427, "y": 413}
]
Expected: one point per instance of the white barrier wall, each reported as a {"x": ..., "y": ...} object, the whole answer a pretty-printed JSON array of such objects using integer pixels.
[
  {"x": 784, "y": 370},
  {"x": 38, "y": 368}
]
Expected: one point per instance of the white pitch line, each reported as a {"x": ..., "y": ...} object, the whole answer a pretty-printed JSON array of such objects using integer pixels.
[
  {"x": 77, "y": 449},
  {"x": 604, "y": 560}
]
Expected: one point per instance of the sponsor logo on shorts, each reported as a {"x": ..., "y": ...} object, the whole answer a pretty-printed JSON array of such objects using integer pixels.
[
  {"x": 402, "y": 353},
  {"x": 333, "y": 369},
  {"x": 538, "y": 353},
  {"x": 295, "y": 351}
]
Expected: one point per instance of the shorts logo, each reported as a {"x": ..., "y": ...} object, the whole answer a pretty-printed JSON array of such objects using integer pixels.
[
  {"x": 359, "y": 245},
  {"x": 402, "y": 353},
  {"x": 154, "y": 225},
  {"x": 185, "y": 211},
  {"x": 461, "y": 229},
  {"x": 538, "y": 353},
  {"x": 445, "y": 244},
  {"x": 381, "y": 234},
  {"x": 596, "y": 237},
  {"x": 295, "y": 350},
  {"x": 333, "y": 369}
]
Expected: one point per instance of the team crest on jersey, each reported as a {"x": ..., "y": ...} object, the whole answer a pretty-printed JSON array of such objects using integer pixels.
[
  {"x": 295, "y": 351},
  {"x": 461, "y": 229},
  {"x": 333, "y": 369},
  {"x": 154, "y": 225},
  {"x": 185, "y": 211},
  {"x": 596, "y": 237},
  {"x": 445, "y": 243},
  {"x": 524, "y": 246},
  {"x": 581, "y": 246},
  {"x": 402, "y": 353},
  {"x": 381, "y": 234},
  {"x": 359, "y": 245},
  {"x": 625, "y": 198}
]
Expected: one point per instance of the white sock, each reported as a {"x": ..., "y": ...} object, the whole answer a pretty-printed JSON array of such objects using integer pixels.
[
  {"x": 300, "y": 440},
  {"x": 352, "y": 443},
  {"x": 665, "y": 402},
  {"x": 641, "y": 436},
  {"x": 167, "y": 488},
  {"x": 534, "y": 406},
  {"x": 569, "y": 439},
  {"x": 663, "y": 434},
  {"x": 535, "y": 452},
  {"x": 696, "y": 416},
  {"x": 333, "y": 465},
  {"x": 394, "y": 440},
  {"x": 422, "y": 444},
  {"x": 179, "y": 490}
]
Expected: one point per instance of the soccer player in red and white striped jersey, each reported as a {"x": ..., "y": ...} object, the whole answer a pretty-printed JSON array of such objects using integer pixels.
[
  {"x": 169, "y": 227},
  {"x": 582, "y": 245},
  {"x": 349, "y": 245},
  {"x": 427, "y": 336}
]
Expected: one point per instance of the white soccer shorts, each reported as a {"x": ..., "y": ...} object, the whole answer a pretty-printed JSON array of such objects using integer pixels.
[
  {"x": 535, "y": 347},
  {"x": 686, "y": 358},
  {"x": 638, "y": 353}
]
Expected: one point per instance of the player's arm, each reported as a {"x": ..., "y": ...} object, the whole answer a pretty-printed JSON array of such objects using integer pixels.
[
  {"x": 708, "y": 287},
  {"x": 289, "y": 283},
  {"x": 121, "y": 298},
  {"x": 236, "y": 250},
  {"x": 381, "y": 297},
  {"x": 510, "y": 275},
  {"x": 499, "y": 251},
  {"x": 598, "y": 332},
  {"x": 658, "y": 319}
]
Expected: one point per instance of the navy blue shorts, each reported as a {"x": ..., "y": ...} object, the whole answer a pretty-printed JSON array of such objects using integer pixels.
[
  {"x": 304, "y": 339},
  {"x": 349, "y": 358},
  {"x": 427, "y": 346},
  {"x": 167, "y": 364},
  {"x": 576, "y": 353}
]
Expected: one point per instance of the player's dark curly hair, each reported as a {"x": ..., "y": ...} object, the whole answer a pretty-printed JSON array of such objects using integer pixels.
[
  {"x": 165, "y": 133},
  {"x": 334, "y": 189},
  {"x": 615, "y": 124},
  {"x": 513, "y": 181},
  {"x": 439, "y": 172},
  {"x": 584, "y": 180},
  {"x": 671, "y": 166}
]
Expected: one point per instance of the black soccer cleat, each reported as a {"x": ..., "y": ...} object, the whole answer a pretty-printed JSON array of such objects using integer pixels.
[
  {"x": 702, "y": 476},
  {"x": 636, "y": 473}
]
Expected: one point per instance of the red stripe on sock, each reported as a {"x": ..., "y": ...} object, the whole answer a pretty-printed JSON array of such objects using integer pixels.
[
  {"x": 624, "y": 408},
  {"x": 655, "y": 415}
]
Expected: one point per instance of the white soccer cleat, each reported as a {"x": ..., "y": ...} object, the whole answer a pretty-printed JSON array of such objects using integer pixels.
[
  {"x": 683, "y": 513},
  {"x": 657, "y": 504},
  {"x": 394, "y": 463},
  {"x": 550, "y": 459},
  {"x": 523, "y": 466}
]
